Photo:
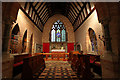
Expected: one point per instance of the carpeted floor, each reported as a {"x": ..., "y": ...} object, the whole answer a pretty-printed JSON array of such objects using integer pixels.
[{"x": 57, "y": 70}]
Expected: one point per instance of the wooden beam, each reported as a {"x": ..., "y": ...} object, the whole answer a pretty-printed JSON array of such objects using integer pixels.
[
  {"x": 72, "y": 19},
  {"x": 83, "y": 14},
  {"x": 37, "y": 14},
  {"x": 25, "y": 6},
  {"x": 69, "y": 19},
  {"x": 79, "y": 4},
  {"x": 46, "y": 18},
  {"x": 73, "y": 8},
  {"x": 76, "y": 6},
  {"x": 71, "y": 12},
  {"x": 42, "y": 11},
  {"x": 30, "y": 18},
  {"x": 36, "y": 4},
  {"x": 89, "y": 6},
  {"x": 49, "y": 12},
  {"x": 34, "y": 16},
  {"x": 30, "y": 7},
  {"x": 41, "y": 8},
  {"x": 79, "y": 14},
  {"x": 86, "y": 10},
  {"x": 85, "y": 19},
  {"x": 37, "y": 21},
  {"x": 45, "y": 14},
  {"x": 32, "y": 13}
]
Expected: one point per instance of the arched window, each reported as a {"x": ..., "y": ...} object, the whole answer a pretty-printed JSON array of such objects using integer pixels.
[
  {"x": 58, "y": 32},
  {"x": 14, "y": 39},
  {"x": 93, "y": 40}
]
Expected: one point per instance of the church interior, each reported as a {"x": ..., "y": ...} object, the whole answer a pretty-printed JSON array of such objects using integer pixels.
[{"x": 60, "y": 40}]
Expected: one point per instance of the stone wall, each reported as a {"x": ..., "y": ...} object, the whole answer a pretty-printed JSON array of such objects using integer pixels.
[
  {"x": 49, "y": 24},
  {"x": 82, "y": 34},
  {"x": 24, "y": 24}
]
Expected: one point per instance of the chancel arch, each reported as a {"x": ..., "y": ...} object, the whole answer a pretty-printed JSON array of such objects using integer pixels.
[{"x": 67, "y": 31}]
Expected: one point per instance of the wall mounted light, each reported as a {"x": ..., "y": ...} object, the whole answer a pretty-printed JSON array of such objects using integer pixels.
[{"x": 102, "y": 39}]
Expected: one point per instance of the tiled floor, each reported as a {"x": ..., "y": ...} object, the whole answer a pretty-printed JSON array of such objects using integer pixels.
[{"x": 57, "y": 70}]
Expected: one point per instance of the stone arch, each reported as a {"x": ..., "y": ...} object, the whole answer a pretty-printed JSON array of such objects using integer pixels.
[
  {"x": 93, "y": 40},
  {"x": 49, "y": 24},
  {"x": 24, "y": 42},
  {"x": 59, "y": 27},
  {"x": 15, "y": 33},
  {"x": 30, "y": 44},
  {"x": 78, "y": 48}
]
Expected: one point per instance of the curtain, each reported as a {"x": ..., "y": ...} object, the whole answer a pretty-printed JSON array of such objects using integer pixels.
[
  {"x": 46, "y": 47},
  {"x": 70, "y": 47}
]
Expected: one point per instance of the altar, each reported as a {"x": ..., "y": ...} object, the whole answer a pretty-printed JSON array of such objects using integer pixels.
[{"x": 58, "y": 50}]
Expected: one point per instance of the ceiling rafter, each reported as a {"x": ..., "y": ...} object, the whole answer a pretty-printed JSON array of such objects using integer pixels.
[
  {"x": 37, "y": 14},
  {"x": 39, "y": 6},
  {"x": 72, "y": 12},
  {"x": 68, "y": 9},
  {"x": 36, "y": 4},
  {"x": 79, "y": 13},
  {"x": 74, "y": 9},
  {"x": 79, "y": 4},
  {"x": 42, "y": 11},
  {"x": 45, "y": 14},
  {"x": 76, "y": 6}
]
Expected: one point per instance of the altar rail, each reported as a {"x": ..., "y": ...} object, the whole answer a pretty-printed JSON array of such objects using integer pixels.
[{"x": 55, "y": 56}]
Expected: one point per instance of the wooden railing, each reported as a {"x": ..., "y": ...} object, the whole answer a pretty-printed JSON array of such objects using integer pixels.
[{"x": 55, "y": 56}]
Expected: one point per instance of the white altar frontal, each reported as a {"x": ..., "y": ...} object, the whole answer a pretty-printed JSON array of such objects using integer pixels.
[{"x": 58, "y": 50}]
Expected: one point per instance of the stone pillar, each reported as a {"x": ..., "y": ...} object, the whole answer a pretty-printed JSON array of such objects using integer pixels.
[
  {"x": 9, "y": 16},
  {"x": 107, "y": 37},
  {"x": 108, "y": 15},
  {"x": 107, "y": 58},
  {"x": 7, "y": 61}
]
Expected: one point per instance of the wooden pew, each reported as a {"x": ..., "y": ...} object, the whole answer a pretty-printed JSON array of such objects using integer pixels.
[
  {"x": 32, "y": 66},
  {"x": 74, "y": 61},
  {"x": 81, "y": 64},
  {"x": 95, "y": 63},
  {"x": 71, "y": 54},
  {"x": 18, "y": 63}
]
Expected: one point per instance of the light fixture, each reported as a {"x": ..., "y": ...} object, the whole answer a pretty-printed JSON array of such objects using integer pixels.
[{"x": 102, "y": 39}]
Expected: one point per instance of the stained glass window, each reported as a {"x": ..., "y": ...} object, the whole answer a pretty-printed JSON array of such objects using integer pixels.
[
  {"x": 58, "y": 32},
  {"x": 93, "y": 40}
]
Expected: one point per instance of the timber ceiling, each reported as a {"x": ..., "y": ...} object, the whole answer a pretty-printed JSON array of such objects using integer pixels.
[{"x": 40, "y": 12}]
